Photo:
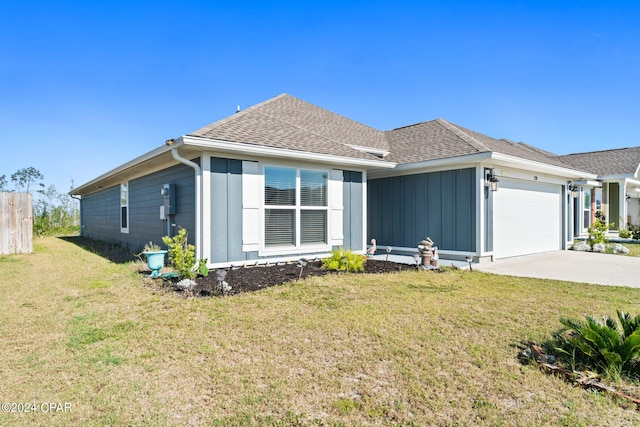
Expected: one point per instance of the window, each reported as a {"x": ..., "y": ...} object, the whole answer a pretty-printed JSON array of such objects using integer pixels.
[
  {"x": 295, "y": 206},
  {"x": 124, "y": 208},
  {"x": 586, "y": 200}
]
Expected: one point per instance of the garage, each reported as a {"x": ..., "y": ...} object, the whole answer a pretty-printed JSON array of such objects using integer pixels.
[{"x": 527, "y": 218}]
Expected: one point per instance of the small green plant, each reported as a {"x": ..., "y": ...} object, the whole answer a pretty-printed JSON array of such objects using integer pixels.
[
  {"x": 181, "y": 253},
  {"x": 624, "y": 233},
  {"x": 598, "y": 230},
  {"x": 610, "y": 347},
  {"x": 202, "y": 267},
  {"x": 344, "y": 260},
  {"x": 151, "y": 247},
  {"x": 635, "y": 232}
]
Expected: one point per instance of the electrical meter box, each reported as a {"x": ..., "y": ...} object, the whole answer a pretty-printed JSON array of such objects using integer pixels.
[{"x": 169, "y": 195}]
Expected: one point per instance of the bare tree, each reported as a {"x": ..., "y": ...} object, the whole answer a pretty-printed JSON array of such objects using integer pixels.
[{"x": 50, "y": 193}]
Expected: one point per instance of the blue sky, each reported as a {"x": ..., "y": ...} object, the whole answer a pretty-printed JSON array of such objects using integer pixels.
[{"x": 88, "y": 85}]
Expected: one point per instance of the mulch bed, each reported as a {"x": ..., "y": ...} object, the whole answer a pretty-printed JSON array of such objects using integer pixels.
[
  {"x": 251, "y": 279},
  {"x": 241, "y": 279}
]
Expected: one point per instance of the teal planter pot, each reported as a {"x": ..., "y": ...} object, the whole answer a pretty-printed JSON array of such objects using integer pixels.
[{"x": 155, "y": 261}]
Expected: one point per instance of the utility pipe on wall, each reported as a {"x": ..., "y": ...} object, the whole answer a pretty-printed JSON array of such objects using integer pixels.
[{"x": 198, "y": 171}]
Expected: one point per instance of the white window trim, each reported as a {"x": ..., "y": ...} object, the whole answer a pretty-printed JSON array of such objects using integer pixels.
[
  {"x": 585, "y": 225},
  {"x": 336, "y": 207},
  {"x": 124, "y": 230},
  {"x": 298, "y": 248},
  {"x": 252, "y": 200}
]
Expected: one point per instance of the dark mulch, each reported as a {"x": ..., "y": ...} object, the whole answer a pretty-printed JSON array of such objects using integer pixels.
[
  {"x": 250, "y": 279},
  {"x": 241, "y": 279}
]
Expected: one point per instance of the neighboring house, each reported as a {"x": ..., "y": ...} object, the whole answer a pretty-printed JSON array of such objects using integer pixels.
[
  {"x": 286, "y": 179},
  {"x": 619, "y": 197}
]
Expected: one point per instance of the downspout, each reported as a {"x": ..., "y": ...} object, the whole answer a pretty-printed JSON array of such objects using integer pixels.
[{"x": 198, "y": 172}]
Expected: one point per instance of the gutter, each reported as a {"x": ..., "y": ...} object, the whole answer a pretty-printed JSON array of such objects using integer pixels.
[
  {"x": 542, "y": 167},
  {"x": 485, "y": 157},
  {"x": 265, "y": 151},
  {"x": 198, "y": 176}
]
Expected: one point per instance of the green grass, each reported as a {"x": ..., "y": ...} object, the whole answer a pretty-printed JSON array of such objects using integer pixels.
[
  {"x": 412, "y": 348},
  {"x": 634, "y": 249}
]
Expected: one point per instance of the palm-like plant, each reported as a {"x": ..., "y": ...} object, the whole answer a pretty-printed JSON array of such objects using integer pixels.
[{"x": 612, "y": 347}]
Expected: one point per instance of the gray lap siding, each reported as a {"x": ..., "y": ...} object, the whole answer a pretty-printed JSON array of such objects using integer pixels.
[
  {"x": 101, "y": 215},
  {"x": 405, "y": 209},
  {"x": 101, "y": 210}
]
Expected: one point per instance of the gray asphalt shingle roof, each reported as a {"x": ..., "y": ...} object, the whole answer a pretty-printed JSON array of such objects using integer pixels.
[
  {"x": 290, "y": 123},
  {"x": 621, "y": 161},
  {"x": 437, "y": 139}
]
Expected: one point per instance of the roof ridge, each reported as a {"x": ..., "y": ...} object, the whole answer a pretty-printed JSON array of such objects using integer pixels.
[
  {"x": 309, "y": 130},
  {"x": 531, "y": 147},
  {"x": 258, "y": 110},
  {"x": 333, "y": 113},
  {"x": 600, "y": 151},
  {"x": 237, "y": 114},
  {"x": 408, "y": 126},
  {"x": 464, "y": 136}
]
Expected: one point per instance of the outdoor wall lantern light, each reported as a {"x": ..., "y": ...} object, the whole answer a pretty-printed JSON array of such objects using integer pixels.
[
  {"x": 573, "y": 189},
  {"x": 492, "y": 182}
]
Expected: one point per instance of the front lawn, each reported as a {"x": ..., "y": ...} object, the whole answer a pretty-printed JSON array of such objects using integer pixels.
[
  {"x": 409, "y": 348},
  {"x": 634, "y": 249}
]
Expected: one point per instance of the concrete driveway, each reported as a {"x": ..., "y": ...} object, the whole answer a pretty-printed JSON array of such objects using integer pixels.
[{"x": 574, "y": 266}]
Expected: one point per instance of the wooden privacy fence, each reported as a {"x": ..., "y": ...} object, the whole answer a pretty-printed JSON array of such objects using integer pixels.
[{"x": 16, "y": 223}]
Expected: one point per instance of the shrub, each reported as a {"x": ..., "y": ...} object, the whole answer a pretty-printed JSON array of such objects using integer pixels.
[
  {"x": 598, "y": 230},
  {"x": 181, "y": 253},
  {"x": 623, "y": 233},
  {"x": 606, "y": 346},
  {"x": 344, "y": 260},
  {"x": 635, "y": 232}
]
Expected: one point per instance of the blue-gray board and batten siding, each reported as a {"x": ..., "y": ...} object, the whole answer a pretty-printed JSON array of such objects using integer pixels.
[
  {"x": 101, "y": 210},
  {"x": 353, "y": 213},
  {"x": 226, "y": 212},
  {"x": 403, "y": 210}
]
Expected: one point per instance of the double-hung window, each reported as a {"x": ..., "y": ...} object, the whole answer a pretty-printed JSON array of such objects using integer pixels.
[{"x": 295, "y": 207}]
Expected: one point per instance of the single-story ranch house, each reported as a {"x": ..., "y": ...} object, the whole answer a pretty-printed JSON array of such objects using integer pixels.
[{"x": 286, "y": 179}]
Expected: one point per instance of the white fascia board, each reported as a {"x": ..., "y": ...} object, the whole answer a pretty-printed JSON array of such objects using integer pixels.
[
  {"x": 615, "y": 177},
  {"x": 632, "y": 182},
  {"x": 531, "y": 165},
  {"x": 588, "y": 183},
  {"x": 417, "y": 167},
  {"x": 130, "y": 164},
  {"x": 264, "y": 151},
  {"x": 488, "y": 159}
]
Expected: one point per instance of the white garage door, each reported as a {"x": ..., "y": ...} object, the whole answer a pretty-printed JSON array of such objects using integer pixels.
[{"x": 527, "y": 218}]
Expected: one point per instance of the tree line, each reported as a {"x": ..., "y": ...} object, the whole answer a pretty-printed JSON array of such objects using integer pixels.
[{"x": 54, "y": 212}]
